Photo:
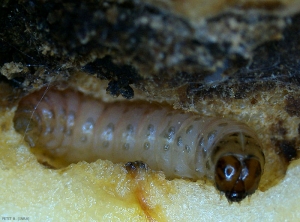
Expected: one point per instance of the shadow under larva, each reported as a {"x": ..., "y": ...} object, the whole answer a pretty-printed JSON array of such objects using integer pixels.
[{"x": 67, "y": 127}]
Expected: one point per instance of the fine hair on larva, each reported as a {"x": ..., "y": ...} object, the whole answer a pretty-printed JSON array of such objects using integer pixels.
[{"x": 67, "y": 127}]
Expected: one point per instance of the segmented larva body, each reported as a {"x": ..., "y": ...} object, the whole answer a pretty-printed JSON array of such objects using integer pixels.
[{"x": 69, "y": 127}]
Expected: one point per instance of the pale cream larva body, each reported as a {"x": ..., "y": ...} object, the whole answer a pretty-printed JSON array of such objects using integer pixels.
[{"x": 70, "y": 127}]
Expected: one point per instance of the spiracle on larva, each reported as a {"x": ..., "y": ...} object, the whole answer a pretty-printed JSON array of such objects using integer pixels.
[{"x": 68, "y": 127}]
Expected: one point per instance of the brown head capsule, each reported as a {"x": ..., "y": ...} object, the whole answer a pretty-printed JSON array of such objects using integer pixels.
[
  {"x": 64, "y": 127},
  {"x": 239, "y": 166},
  {"x": 237, "y": 177}
]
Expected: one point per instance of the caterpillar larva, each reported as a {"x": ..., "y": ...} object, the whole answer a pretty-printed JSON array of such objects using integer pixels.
[{"x": 68, "y": 127}]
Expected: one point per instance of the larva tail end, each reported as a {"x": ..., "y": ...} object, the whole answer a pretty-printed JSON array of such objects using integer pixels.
[
  {"x": 27, "y": 126},
  {"x": 237, "y": 177}
]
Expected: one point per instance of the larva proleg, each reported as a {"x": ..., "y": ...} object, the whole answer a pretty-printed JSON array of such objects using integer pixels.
[{"x": 68, "y": 127}]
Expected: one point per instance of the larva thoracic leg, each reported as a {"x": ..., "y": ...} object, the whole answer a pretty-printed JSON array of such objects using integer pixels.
[{"x": 69, "y": 127}]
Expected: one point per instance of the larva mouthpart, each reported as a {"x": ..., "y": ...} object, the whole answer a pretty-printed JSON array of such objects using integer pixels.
[{"x": 67, "y": 127}]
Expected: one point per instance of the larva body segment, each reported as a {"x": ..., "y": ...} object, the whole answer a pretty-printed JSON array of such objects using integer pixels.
[{"x": 69, "y": 127}]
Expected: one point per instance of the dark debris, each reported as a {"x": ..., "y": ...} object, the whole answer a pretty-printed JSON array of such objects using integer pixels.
[
  {"x": 120, "y": 75},
  {"x": 292, "y": 106},
  {"x": 286, "y": 148}
]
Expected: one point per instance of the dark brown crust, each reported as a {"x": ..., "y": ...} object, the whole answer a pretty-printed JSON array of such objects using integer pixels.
[
  {"x": 292, "y": 106},
  {"x": 269, "y": 5},
  {"x": 277, "y": 128}
]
